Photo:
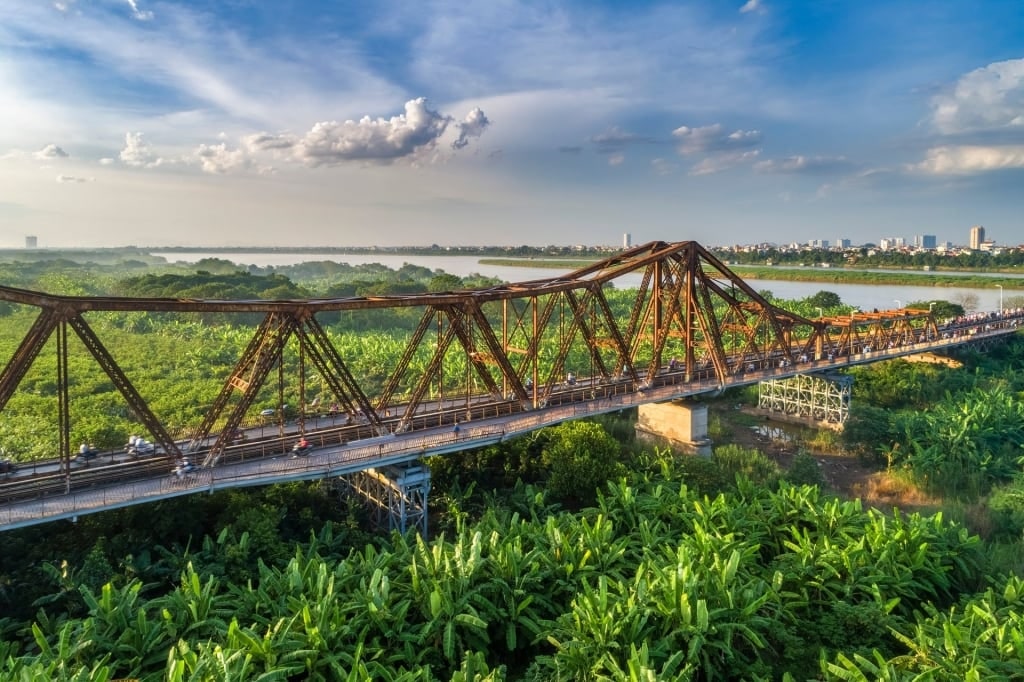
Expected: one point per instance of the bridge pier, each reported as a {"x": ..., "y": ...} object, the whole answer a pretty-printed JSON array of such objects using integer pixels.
[
  {"x": 396, "y": 496},
  {"x": 682, "y": 424}
]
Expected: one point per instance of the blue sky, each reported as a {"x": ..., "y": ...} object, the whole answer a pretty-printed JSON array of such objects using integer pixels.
[{"x": 244, "y": 122}]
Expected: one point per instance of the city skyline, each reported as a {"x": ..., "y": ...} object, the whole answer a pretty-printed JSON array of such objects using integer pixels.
[{"x": 400, "y": 123}]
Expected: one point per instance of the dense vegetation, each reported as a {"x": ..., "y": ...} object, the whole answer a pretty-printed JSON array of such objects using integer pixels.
[{"x": 571, "y": 554}]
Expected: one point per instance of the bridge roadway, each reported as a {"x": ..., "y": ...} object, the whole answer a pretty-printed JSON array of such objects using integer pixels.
[{"x": 154, "y": 481}]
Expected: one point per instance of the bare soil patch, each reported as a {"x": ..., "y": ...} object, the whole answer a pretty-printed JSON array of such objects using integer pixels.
[{"x": 844, "y": 474}]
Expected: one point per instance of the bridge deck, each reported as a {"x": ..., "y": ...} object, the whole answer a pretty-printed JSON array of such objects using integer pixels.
[{"x": 354, "y": 456}]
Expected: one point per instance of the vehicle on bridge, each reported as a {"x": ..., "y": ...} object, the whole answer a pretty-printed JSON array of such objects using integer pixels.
[
  {"x": 185, "y": 468},
  {"x": 139, "y": 446},
  {"x": 7, "y": 467},
  {"x": 301, "y": 448}
]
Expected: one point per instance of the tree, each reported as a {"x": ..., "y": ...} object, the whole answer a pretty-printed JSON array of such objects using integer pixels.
[
  {"x": 825, "y": 299},
  {"x": 582, "y": 457}
]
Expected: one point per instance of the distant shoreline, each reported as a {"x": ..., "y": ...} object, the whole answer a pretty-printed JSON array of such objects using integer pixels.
[{"x": 823, "y": 275}]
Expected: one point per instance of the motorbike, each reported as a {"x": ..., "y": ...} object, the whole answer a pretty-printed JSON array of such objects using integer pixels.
[
  {"x": 185, "y": 468},
  {"x": 301, "y": 448},
  {"x": 141, "y": 447}
]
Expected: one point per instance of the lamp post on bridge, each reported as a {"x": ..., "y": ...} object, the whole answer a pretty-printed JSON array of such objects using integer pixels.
[{"x": 1000, "y": 287}]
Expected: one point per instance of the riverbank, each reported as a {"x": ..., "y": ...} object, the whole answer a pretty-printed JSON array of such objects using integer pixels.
[{"x": 825, "y": 275}]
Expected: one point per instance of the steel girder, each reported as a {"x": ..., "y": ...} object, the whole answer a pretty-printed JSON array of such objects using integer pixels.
[{"x": 510, "y": 344}]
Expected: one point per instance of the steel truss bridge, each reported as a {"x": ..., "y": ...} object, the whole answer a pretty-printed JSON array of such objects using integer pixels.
[{"x": 497, "y": 362}]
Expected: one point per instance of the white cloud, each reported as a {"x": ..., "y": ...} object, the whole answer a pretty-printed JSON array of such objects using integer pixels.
[
  {"x": 63, "y": 5},
  {"x": 970, "y": 159},
  {"x": 264, "y": 141},
  {"x": 330, "y": 143},
  {"x": 51, "y": 151},
  {"x": 752, "y": 6},
  {"x": 988, "y": 98},
  {"x": 724, "y": 161},
  {"x": 711, "y": 139},
  {"x": 217, "y": 158},
  {"x": 616, "y": 159},
  {"x": 137, "y": 152},
  {"x": 63, "y": 179},
  {"x": 141, "y": 15},
  {"x": 473, "y": 125},
  {"x": 106, "y": 161},
  {"x": 803, "y": 164}
]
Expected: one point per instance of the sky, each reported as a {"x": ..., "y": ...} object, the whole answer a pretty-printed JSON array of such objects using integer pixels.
[{"x": 218, "y": 123}]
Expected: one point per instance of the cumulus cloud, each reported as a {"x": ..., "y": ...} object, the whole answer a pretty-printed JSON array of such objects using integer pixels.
[
  {"x": 752, "y": 6},
  {"x": 803, "y": 164},
  {"x": 969, "y": 159},
  {"x": 473, "y": 125},
  {"x": 137, "y": 152},
  {"x": 217, "y": 158},
  {"x": 384, "y": 139},
  {"x": 106, "y": 161},
  {"x": 270, "y": 142},
  {"x": 51, "y": 151},
  {"x": 986, "y": 99},
  {"x": 407, "y": 135},
  {"x": 723, "y": 161},
  {"x": 141, "y": 15},
  {"x": 710, "y": 138},
  {"x": 64, "y": 179}
]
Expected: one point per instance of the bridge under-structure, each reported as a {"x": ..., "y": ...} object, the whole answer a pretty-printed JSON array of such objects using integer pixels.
[{"x": 497, "y": 361}]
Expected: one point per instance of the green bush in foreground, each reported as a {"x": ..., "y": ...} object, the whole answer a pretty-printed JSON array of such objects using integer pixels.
[{"x": 654, "y": 582}]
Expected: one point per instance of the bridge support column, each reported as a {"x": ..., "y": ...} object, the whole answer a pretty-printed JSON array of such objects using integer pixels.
[
  {"x": 395, "y": 495},
  {"x": 808, "y": 398},
  {"x": 683, "y": 424}
]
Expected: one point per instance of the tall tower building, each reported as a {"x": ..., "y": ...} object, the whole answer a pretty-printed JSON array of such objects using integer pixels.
[
  {"x": 627, "y": 240},
  {"x": 977, "y": 237},
  {"x": 30, "y": 242}
]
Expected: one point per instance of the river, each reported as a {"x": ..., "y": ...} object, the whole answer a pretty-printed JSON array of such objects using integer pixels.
[{"x": 863, "y": 296}]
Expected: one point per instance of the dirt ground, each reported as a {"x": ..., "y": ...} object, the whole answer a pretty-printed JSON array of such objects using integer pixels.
[{"x": 844, "y": 474}]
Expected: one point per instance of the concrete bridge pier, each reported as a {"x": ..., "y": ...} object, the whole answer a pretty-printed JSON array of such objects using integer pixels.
[
  {"x": 681, "y": 424},
  {"x": 395, "y": 495}
]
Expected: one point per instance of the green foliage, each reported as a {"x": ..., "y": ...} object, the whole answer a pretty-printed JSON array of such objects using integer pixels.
[
  {"x": 964, "y": 444},
  {"x": 1006, "y": 506},
  {"x": 941, "y": 310},
  {"x": 804, "y": 470},
  {"x": 581, "y": 458},
  {"x": 869, "y": 432},
  {"x": 825, "y": 299},
  {"x": 748, "y": 463}
]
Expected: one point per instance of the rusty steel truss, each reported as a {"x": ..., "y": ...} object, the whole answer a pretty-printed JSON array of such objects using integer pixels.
[{"x": 509, "y": 346}]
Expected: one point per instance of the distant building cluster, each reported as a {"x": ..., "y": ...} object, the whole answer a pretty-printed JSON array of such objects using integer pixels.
[{"x": 976, "y": 241}]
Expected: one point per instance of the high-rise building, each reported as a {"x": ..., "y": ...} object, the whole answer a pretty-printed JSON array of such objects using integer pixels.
[
  {"x": 30, "y": 242},
  {"x": 925, "y": 241},
  {"x": 627, "y": 240},
  {"x": 843, "y": 243},
  {"x": 977, "y": 237}
]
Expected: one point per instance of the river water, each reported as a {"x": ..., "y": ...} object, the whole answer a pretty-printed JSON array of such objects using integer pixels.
[{"x": 863, "y": 296}]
